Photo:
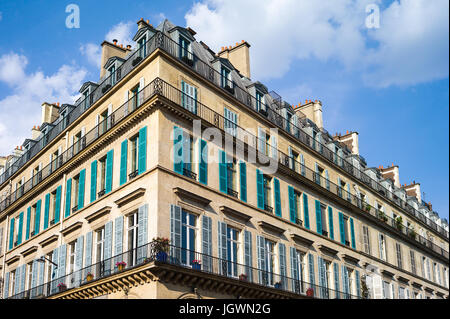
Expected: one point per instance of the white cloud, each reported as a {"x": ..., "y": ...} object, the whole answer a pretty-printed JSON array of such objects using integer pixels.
[
  {"x": 301, "y": 30},
  {"x": 93, "y": 53},
  {"x": 21, "y": 110}
]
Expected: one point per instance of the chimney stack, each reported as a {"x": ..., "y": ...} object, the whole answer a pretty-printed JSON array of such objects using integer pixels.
[
  {"x": 49, "y": 112},
  {"x": 351, "y": 141},
  {"x": 110, "y": 50},
  {"x": 392, "y": 173},
  {"x": 239, "y": 56}
]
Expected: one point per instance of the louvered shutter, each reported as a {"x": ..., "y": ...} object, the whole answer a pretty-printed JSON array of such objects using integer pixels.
[
  {"x": 81, "y": 189},
  {"x": 223, "y": 172},
  {"x": 37, "y": 218},
  {"x": 207, "y": 243},
  {"x": 292, "y": 206},
  {"x": 318, "y": 218},
  {"x": 142, "y": 152},
  {"x": 68, "y": 197},
  {"x": 260, "y": 188},
  {"x": 93, "y": 181},
  {"x": 261, "y": 247},
  {"x": 175, "y": 231},
  {"x": 123, "y": 162},
  {"x": 142, "y": 232},
  {"x": 248, "y": 255},
  {"x": 203, "y": 162},
  {"x": 178, "y": 150},
  {"x": 58, "y": 204},
  {"x": 109, "y": 171},
  {"x": 330, "y": 222},
  {"x": 243, "y": 180},
  {"x": 222, "y": 247},
  {"x": 283, "y": 272},
  {"x": 276, "y": 184},
  {"x": 46, "y": 210}
]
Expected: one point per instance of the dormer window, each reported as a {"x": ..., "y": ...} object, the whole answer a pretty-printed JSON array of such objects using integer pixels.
[
  {"x": 185, "y": 51},
  {"x": 260, "y": 101},
  {"x": 86, "y": 98},
  {"x": 112, "y": 75},
  {"x": 142, "y": 47},
  {"x": 226, "y": 81}
]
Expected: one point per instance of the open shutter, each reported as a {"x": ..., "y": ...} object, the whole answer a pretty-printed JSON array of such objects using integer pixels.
[
  {"x": 358, "y": 284},
  {"x": 109, "y": 171},
  {"x": 223, "y": 172},
  {"x": 175, "y": 231},
  {"x": 118, "y": 236},
  {"x": 6, "y": 286},
  {"x": 222, "y": 246},
  {"x": 291, "y": 158},
  {"x": 88, "y": 254},
  {"x": 142, "y": 152},
  {"x": 123, "y": 162},
  {"x": 243, "y": 180},
  {"x": 292, "y": 206},
  {"x": 330, "y": 222},
  {"x": 305, "y": 210},
  {"x": 62, "y": 261},
  {"x": 337, "y": 287},
  {"x": 79, "y": 259},
  {"x": 261, "y": 246},
  {"x": 11, "y": 233},
  {"x": 178, "y": 150},
  {"x": 341, "y": 228},
  {"x": 142, "y": 232},
  {"x": 352, "y": 233},
  {"x": 19, "y": 231},
  {"x": 248, "y": 255},
  {"x": 327, "y": 179},
  {"x": 58, "y": 204},
  {"x": 93, "y": 181},
  {"x": 260, "y": 189},
  {"x": 294, "y": 271},
  {"x": 349, "y": 195},
  {"x": 276, "y": 184},
  {"x": 68, "y": 197},
  {"x": 37, "y": 218},
  {"x": 203, "y": 162},
  {"x": 207, "y": 243},
  {"x": 283, "y": 272},
  {"x": 311, "y": 271},
  {"x": 27, "y": 233},
  {"x": 261, "y": 140},
  {"x": 274, "y": 147},
  {"x": 318, "y": 218},
  {"x": 81, "y": 189},
  {"x": 46, "y": 210},
  {"x": 108, "y": 246},
  {"x": 302, "y": 165}
]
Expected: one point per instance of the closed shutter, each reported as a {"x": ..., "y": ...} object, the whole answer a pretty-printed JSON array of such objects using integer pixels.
[
  {"x": 330, "y": 222},
  {"x": 274, "y": 147},
  {"x": 207, "y": 243},
  {"x": 352, "y": 233},
  {"x": 327, "y": 179},
  {"x": 68, "y": 197},
  {"x": 11, "y": 234},
  {"x": 46, "y": 210},
  {"x": 302, "y": 164},
  {"x": 81, "y": 189},
  {"x": 19, "y": 231},
  {"x": 318, "y": 218},
  {"x": 341, "y": 228},
  {"x": 260, "y": 188},
  {"x": 23, "y": 276},
  {"x": 17, "y": 281},
  {"x": 108, "y": 247},
  {"x": 261, "y": 140},
  {"x": 27, "y": 233},
  {"x": 203, "y": 162},
  {"x": 223, "y": 172},
  {"x": 175, "y": 231},
  {"x": 88, "y": 254},
  {"x": 276, "y": 184},
  {"x": 337, "y": 287},
  {"x": 79, "y": 259},
  {"x": 311, "y": 271},
  {"x": 118, "y": 236},
  {"x": 261, "y": 249},
  {"x": 305, "y": 210},
  {"x": 358, "y": 284},
  {"x": 291, "y": 158},
  {"x": 55, "y": 270},
  {"x": 349, "y": 195},
  {"x": 283, "y": 272},
  {"x": 142, "y": 152},
  {"x": 222, "y": 246},
  {"x": 40, "y": 279},
  {"x": 243, "y": 180},
  {"x": 123, "y": 162},
  {"x": 58, "y": 204},
  {"x": 178, "y": 150},
  {"x": 62, "y": 261},
  {"x": 37, "y": 219},
  {"x": 93, "y": 181},
  {"x": 321, "y": 268},
  {"x": 142, "y": 232},
  {"x": 345, "y": 281},
  {"x": 109, "y": 171},
  {"x": 292, "y": 205},
  {"x": 248, "y": 255},
  {"x": 294, "y": 270},
  {"x": 6, "y": 287}
]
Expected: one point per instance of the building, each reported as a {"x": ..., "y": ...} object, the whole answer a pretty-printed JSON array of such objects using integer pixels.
[{"x": 257, "y": 198}]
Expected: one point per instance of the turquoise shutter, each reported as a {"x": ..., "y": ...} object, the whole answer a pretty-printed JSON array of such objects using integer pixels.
[
  {"x": 6, "y": 287},
  {"x": 358, "y": 284},
  {"x": 178, "y": 150},
  {"x": 123, "y": 161},
  {"x": 203, "y": 163},
  {"x": 311, "y": 271},
  {"x": 283, "y": 272},
  {"x": 58, "y": 204},
  {"x": 27, "y": 233},
  {"x": 93, "y": 181},
  {"x": 248, "y": 255},
  {"x": 142, "y": 232},
  {"x": 243, "y": 180},
  {"x": 330, "y": 222},
  {"x": 341, "y": 228},
  {"x": 142, "y": 151},
  {"x": 19, "y": 231},
  {"x": 352, "y": 233},
  {"x": 175, "y": 231},
  {"x": 276, "y": 184},
  {"x": 260, "y": 188},
  {"x": 318, "y": 218},
  {"x": 109, "y": 171},
  {"x": 11, "y": 234},
  {"x": 292, "y": 206},
  {"x": 207, "y": 243},
  {"x": 336, "y": 280},
  {"x": 305, "y": 210},
  {"x": 81, "y": 189},
  {"x": 62, "y": 260},
  {"x": 222, "y": 244},
  {"x": 68, "y": 197},
  {"x": 223, "y": 172},
  {"x": 37, "y": 218},
  {"x": 261, "y": 249},
  {"x": 46, "y": 210},
  {"x": 88, "y": 254}
]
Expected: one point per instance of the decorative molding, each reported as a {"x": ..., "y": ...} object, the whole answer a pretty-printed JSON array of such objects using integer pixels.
[
  {"x": 328, "y": 250},
  {"x": 29, "y": 251},
  {"x": 428, "y": 289},
  {"x": 97, "y": 214},
  {"x": 49, "y": 240},
  {"x": 387, "y": 273},
  {"x": 416, "y": 284},
  {"x": 192, "y": 196},
  {"x": 402, "y": 279},
  {"x": 301, "y": 240},
  {"x": 269, "y": 227},
  {"x": 71, "y": 228},
  {"x": 13, "y": 259},
  {"x": 350, "y": 259},
  {"x": 235, "y": 214},
  {"x": 130, "y": 197}
]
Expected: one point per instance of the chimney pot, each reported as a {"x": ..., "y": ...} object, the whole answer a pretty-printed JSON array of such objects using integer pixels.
[
  {"x": 121, "y": 45},
  {"x": 115, "y": 41},
  {"x": 146, "y": 21}
]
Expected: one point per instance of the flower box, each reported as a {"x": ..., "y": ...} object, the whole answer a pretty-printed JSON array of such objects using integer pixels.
[
  {"x": 196, "y": 265},
  {"x": 62, "y": 287},
  {"x": 310, "y": 292},
  {"x": 121, "y": 265},
  {"x": 89, "y": 277},
  {"x": 243, "y": 277}
]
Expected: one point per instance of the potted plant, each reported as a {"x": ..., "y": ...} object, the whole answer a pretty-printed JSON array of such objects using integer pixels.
[
  {"x": 121, "y": 265},
  {"x": 243, "y": 277},
  {"x": 399, "y": 223},
  {"x": 161, "y": 245},
  {"x": 278, "y": 285},
  {"x": 412, "y": 233},
  {"x": 89, "y": 276},
  {"x": 196, "y": 264},
  {"x": 310, "y": 292},
  {"x": 62, "y": 286},
  {"x": 382, "y": 216},
  {"x": 367, "y": 208}
]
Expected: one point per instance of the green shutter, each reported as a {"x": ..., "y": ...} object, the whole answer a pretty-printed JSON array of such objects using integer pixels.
[
  {"x": 81, "y": 188},
  {"x": 341, "y": 228},
  {"x": 142, "y": 151},
  {"x": 58, "y": 204},
  {"x": 352, "y": 233},
  {"x": 178, "y": 150},
  {"x": 330, "y": 222},
  {"x": 223, "y": 172},
  {"x": 27, "y": 234},
  {"x": 37, "y": 218},
  {"x": 11, "y": 234},
  {"x": 318, "y": 218},
  {"x": 203, "y": 163},
  {"x": 93, "y": 181},
  {"x": 109, "y": 171},
  {"x": 292, "y": 206},
  {"x": 68, "y": 197},
  {"x": 260, "y": 188},
  {"x": 123, "y": 161},
  {"x": 19, "y": 231},
  {"x": 243, "y": 180},
  {"x": 305, "y": 210},
  {"x": 276, "y": 184},
  {"x": 46, "y": 210}
]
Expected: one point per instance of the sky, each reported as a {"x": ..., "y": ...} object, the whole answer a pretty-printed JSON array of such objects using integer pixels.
[{"x": 380, "y": 68}]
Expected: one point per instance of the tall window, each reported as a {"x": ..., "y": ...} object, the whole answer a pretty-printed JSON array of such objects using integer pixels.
[
  {"x": 260, "y": 101},
  {"x": 72, "y": 251},
  {"x": 29, "y": 274},
  {"x": 102, "y": 179},
  {"x": 189, "y": 156},
  {"x": 347, "y": 240},
  {"x": 134, "y": 154},
  {"x": 230, "y": 121},
  {"x": 318, "y": 176},
  {"x": 12, "y": 282},
  {"x": 323, "y": 213},
  {"x": 398, "y": 249},
  {"x": 382, "y": 243},
  {"x": 112, "y": 75},
  {"x": 413, "y": 262},
  {"x": 231, "y": 176},
  {"x": 184, "y": 49},
  {"x": 32, "y": 220},
  {"x": 103, "y": 124},
  {"x": 49, "y": 267},
  {"x": 100, "y": 245},
  {"x": 300, "y": 257},
  {"x": 189, "y": 97},
  {"x": 366, "y": 239},
  {"x": 232, "y": 251},
  {"x": 51, "y": 212},
  {"x": 298, "y": 209},
  {"x": 267, "y": 193},
  {"x": 226, "y": 78},
  {"x": 188, "y": 237},
  {"x": 76, "y": 186},
  {"x": 135, "y": 97},
  {"x": 142, "y": 48},
  {"x": 133, "y": 226},
  {"x": 270, "y": 262},
  {"x": 386, "y": 290}
]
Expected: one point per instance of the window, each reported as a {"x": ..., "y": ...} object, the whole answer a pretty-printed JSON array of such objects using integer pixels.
[
  {"x": 288, "y": 121},
  {"x": 185, "y": 53},
  {"x": 100, "y": 245},
  {"x": 32, "y": 220},
  {"x": 300, "y": 260},
  {"x": 112, "y": 75},
  {"x": 72, "y": 251},
  {"x": 48, "y": 267},
  {"x": 366, "y": 239},
  {"x": 267, "y": 193},
  {"x": 401, "y": 293},
  {"x": 76, "y": 186},
  {"x": 188, "y": 237},
  {"x": 102, "y": 179},
  {"x": 135, "y": 97},
  {"x": 260, "y": 101},
  {"x": 29, "y": 274},
  {"x": 86, "y": 98},
  {"x": 398, "y": 248},
  {"x": 189, "y": 97},
  {"x": 230, "y": 121},
  {"x": 133, "y": 226},
  {"x": 231, "y": 176},
  {"x": 189, "y": 156},
  {"x": 12, "y": 282},
  {"x": 134, "y": 154},
  {"x": 232, "y": 251},
  {"x": 103, "y": 122},
  {"x": 298, "y": 209},
  {"x": 270, "y": 262},
  {"x": 323, "y": 213},
  {"x": 318, "y": 176},
  {"x": 142, "y": 48},
  {"x": 51, "y": 212},
  {"x": 77, "y": 142},
  {"x": 347, "y": 241},
  {"x": 413, "y": 262},
  {"x": 386, "y": 290},
  {"x": 382, "y": 243},
  {"x": 226, "y": 78}
]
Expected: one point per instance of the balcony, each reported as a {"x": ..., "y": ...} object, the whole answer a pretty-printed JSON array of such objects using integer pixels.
[
  {"x": 189, "y": 173},
  {"x": 233, "y": 193},
  {"x": 268, "y": 208},
  {"x": 74, "y": 209},
  {"x": 101, "y": 193},
  {"x": 299, "y": 222},
  {"x": 133, "y": 174},
  {"x": 138, "y": 262},
  {"x": 52, "y": 222}
]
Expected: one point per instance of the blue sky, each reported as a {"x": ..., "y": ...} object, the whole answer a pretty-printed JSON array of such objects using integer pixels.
[{"x": 390, "y": 84}]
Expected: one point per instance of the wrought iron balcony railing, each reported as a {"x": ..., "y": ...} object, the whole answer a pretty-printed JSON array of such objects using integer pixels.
[
  {"x": 189, "y": 173},
  {"x": 232, "y": 192},
  {"x": 182, "y": 258},
  {"x": 133, "y": 174}
]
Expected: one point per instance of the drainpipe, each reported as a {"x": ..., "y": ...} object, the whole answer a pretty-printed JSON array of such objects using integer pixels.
[{"x": 4, "y": 254}]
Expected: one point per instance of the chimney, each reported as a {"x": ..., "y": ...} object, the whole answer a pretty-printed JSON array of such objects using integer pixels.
[
  {"x": 414, "y": 190},
  {"x": 239, "y": 56},
  {"x": 49, "y": 112},
  {"x": 350, "y": 140},
  {"x": 392, "y": 173},
  {"x": 17, "y": 152},
  {"x": 35, "y": 132},
  {"x": 110, "y": 50},
  {"x": 312, "y": 110}
]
